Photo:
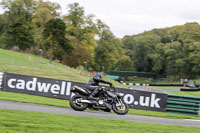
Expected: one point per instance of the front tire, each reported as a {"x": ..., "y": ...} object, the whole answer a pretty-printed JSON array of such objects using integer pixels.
[
  {"x": 120, "y": 109},
  {"x": 76, "y": 105}
]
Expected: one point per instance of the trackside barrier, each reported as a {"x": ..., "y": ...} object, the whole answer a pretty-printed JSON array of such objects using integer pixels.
[
  {"x": 136, "y": 84},
  {"x": 142, "y": 84},
  {"x": 47, "y": 87},
  {"x": 1, "y": 80},
  {"x": 186, "y": 105}
]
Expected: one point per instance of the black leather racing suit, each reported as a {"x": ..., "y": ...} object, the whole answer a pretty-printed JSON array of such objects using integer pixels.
[{"x": 93, "y": 84}]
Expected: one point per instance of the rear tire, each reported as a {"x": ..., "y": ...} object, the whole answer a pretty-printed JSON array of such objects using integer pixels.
[
  {"x": 77, "y": 105},
  {"x": 121, "y": 110}
]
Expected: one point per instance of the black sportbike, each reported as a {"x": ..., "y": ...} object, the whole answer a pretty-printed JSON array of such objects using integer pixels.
[{"x": 108, "y": 99}]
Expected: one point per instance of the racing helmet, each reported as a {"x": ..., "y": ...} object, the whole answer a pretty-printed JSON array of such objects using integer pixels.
[{"x": 98, "y": 74}]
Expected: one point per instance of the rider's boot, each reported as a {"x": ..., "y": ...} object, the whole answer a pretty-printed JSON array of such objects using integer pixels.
[
  {"x": 91, "y": 97},
  {"x": 94, "y": 93}
]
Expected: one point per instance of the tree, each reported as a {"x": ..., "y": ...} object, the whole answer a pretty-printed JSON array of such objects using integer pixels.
[
  {"x": 20, "y": 36},
  {"x": 81, "y": 27},
  {"x": 79, "y": 56},
  {"x": 172, "y": 51},
  {"x": 107, "y": 52},
  {"x": 43, "y": 12},
  {"x": 76, "y": 16},
  {"x": 54, "y": 32},
  {"x": 3, "y": 29},
  {"x": 20, "y": 29},
  {"x": 3, "y": 24},
  {"x": 194, "y": 60},
  {"x": 81, "y": 30},
  {"x": 128, "y": 43},
  {"x": 140, "y": 48},
  {"x": 124, "y": 64},
  {"x": 158, "y": 58}
]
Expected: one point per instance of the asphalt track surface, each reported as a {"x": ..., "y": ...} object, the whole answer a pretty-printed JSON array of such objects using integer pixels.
[
  {"x": 67, "y": 111},
  {"x": 157, "y": 89}
]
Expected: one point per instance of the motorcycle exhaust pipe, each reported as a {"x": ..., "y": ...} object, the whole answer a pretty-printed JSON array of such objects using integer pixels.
[
  {"x": 80, "y": 90},
  {"x": 86, "y": 101}
]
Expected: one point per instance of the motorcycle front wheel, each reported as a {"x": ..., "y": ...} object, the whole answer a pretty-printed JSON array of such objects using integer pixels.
[
  {"x": 76, "y": 104},
  {"x": 120, "y": 108}
]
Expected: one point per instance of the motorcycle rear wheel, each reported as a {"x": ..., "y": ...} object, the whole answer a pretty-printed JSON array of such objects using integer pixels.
[
  {"x": 76, "y": 105},
  {"x": 120, "y": 109}
]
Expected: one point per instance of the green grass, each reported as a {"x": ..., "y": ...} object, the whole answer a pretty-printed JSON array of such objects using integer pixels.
[
  {"x": 22, "y": 65},
  {"x": 8, "y": 57},
  {"x": 175, "y": 90},
  {"x": 197, "y": 93},
  {"x": 12, "y": 121}
]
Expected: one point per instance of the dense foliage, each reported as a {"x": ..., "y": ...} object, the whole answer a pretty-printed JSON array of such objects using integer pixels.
[
  {"x": 173, "y": 51},
  {"x": 17, "y": 18},
  {"x": 54, "y": 33},
  {"x": 36, "y": 25},
  {"x": 76, "y": 39}
]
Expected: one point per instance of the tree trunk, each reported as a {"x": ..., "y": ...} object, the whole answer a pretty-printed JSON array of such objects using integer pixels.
[{"x": 52, "y": 50}]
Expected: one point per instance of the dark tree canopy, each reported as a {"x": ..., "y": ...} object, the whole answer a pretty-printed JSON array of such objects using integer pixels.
[
  {"x": 173, "y": 51},
  {"x": 19, "y": 30},
  {"x": 54, "y": 32}
]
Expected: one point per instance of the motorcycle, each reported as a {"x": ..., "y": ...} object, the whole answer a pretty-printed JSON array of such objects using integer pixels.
[{"x": 107, "y": 99}]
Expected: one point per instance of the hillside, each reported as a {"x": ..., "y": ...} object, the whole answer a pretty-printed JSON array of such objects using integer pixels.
[{"x": 22, "y": 63}]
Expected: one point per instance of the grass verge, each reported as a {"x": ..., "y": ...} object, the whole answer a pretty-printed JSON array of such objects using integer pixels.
[
  {"x": 20, "y": 63},
  {"x": 186, "y": 93},
  {"x": 11, "y": 121}
]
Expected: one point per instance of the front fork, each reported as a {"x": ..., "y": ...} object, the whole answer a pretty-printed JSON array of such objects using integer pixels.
[
  {"x": 119, "y": 102},
  {"x": 120, "y": 105}
]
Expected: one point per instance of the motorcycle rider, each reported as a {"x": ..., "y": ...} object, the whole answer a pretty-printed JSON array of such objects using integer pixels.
[{"x": 93, "y": 85}]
